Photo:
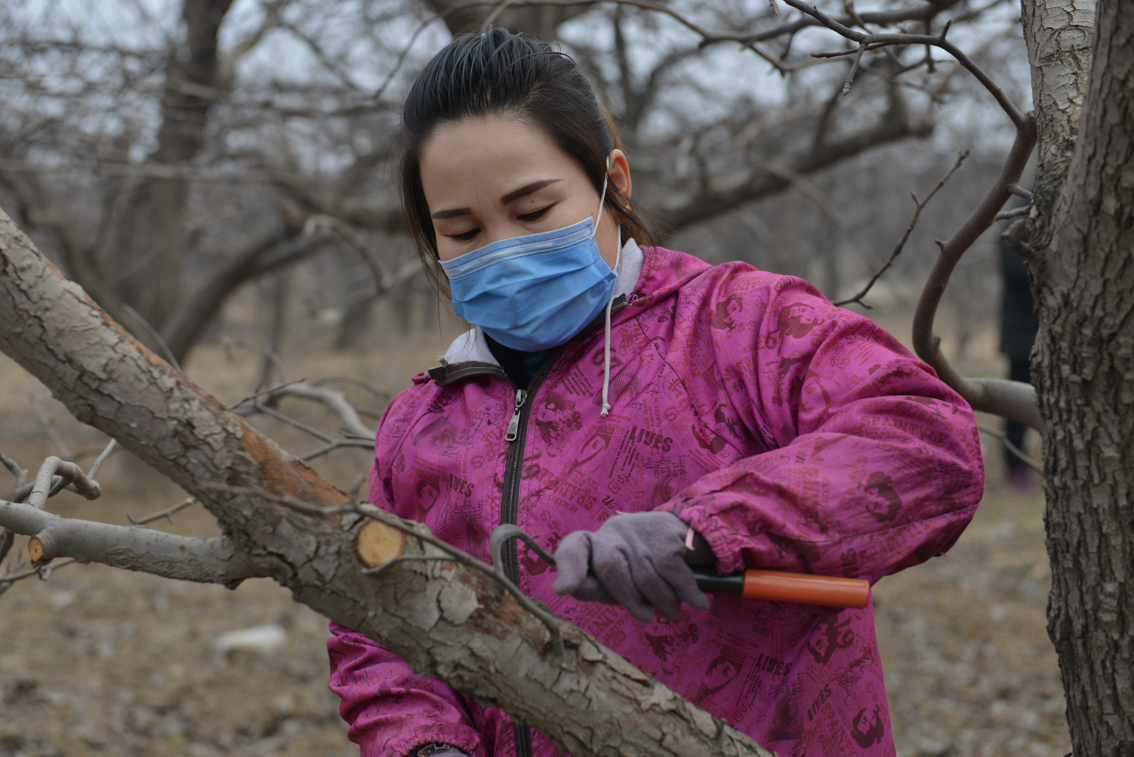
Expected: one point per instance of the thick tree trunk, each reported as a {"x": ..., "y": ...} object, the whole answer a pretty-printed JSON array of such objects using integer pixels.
[
  {"x": 445, "y": 618},
  {"x": 1085, "y": 378},
  {"x": 143, "y": 261},
  {"x": 1059, "y": 35}
]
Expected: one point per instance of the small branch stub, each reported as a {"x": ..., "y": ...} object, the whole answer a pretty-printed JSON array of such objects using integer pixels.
[
  {"x": 378, "y": 544},
  {"x": 35, "y": 552}
]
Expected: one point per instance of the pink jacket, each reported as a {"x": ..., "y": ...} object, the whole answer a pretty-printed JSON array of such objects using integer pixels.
[{"x": 793, "y": 435}]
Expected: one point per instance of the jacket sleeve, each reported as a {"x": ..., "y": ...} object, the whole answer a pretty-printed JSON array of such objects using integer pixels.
[
  {"x": 872, "y": 464},
  {"x": 390, "y": 709}
]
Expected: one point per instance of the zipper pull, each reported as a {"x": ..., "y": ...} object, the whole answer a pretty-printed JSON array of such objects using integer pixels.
[{"x": 514, "y": 424}]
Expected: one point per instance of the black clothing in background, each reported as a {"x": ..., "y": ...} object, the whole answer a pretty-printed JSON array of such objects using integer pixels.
[{"x": 1018, "y": 327}]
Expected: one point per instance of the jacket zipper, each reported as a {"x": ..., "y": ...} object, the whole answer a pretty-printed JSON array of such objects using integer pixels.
[{"x": 516, "y": 436}]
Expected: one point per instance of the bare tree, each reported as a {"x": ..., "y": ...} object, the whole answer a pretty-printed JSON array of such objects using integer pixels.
[
  {"x": 185, "y": 165},
  {"x": 1079, "y": 249},
  {"x": 392, "y": 581}
]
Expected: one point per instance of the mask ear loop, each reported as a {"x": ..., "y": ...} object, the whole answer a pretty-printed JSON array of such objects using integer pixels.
[
  {"x": 602, "y": 198},
  {"x": 610, "y": 303}
]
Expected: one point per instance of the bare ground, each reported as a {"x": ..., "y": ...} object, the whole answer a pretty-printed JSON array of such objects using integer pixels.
[{"x": 96, "y": 661}]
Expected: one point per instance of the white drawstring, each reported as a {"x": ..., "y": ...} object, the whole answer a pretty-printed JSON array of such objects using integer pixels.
[
  {"x": 606, "y": 344},
  {"x": 617, "y": 260},
  {"x": 610, "y": 302}
]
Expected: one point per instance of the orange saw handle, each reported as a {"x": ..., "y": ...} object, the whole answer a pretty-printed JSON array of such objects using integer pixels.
[{"x": 778, "y": 586}]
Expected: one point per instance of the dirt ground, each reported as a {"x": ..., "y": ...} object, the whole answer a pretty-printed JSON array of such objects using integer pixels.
[{"x": 96, "y": 661}]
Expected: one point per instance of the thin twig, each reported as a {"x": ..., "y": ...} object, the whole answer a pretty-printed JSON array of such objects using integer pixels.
[
  {"x": 262, "y": 392},
  {"x": 49, "y": 427},
  {"x": 110, "y": 446},
  {"x": 876, "y": 41},
  {"x": 7, "y": 538},
  {"x": 388, "y": 519},
  {"x": 259, "y": 350},
  {"x": 43, "y": 572},
  {"x": 367, "y": 444},
  {"x": 153, "y": 333},
  {"x": 1019, "y": 453},
  {"x": 919, "y": 205},
  {"x": 853, "y": 70},
  {"x": 21, "y": 474},
  {"x": 1014, "y": 213},
  {"x": 356, "y": 486},
  {"x": 402, "y": 57},
  {"x": 292, "y": 422},
  {"x": 1013, "y": 236},
  {"x": 167, "y": 513}
]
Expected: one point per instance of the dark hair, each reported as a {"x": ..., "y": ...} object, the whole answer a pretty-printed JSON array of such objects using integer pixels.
[{"x": 499, "y": 73}]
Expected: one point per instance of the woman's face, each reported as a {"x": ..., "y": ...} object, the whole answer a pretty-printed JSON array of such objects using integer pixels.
[{"x": 493, "y": 178}]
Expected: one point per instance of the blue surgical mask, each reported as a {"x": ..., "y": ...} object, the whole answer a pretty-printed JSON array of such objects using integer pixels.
[{"x": 534, "y": 292}]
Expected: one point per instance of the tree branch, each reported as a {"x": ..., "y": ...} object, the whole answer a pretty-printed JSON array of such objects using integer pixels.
[
  {"x": 195, "y": 311},
  {"x": 923, "y": 13},
  {"x": 134, "y": 548},
  {"x": 875, "y": 41},
  {"x": 1011, "y": 399},
  {"x": 919, "y": 205},
  {"x": 448, "y": 621},
  {"x": 895, "y": 124},
  {"x": 333, "y": 399}
]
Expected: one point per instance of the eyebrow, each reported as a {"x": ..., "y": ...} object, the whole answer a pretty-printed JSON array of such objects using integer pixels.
[
  {"x": 524, "y": 191},
  {"x": 451, "y": 213},
  {"x": 535, "y": 186}
]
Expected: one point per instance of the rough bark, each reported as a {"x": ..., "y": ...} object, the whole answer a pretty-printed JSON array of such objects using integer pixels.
[
  {"x": 1084, "y": 375},
  {"x": 445, "y": 618},
  {"x": 1059, "y": 35}
]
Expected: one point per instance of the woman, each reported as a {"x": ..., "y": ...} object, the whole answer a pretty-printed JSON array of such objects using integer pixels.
[{"x": 636, "y": 410}]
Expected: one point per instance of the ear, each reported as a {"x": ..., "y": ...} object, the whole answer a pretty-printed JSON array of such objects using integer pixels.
[{"x": 620, "y": 172}]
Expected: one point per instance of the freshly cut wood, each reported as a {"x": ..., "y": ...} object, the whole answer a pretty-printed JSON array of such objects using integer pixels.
[{"x": 378, "y": 544}]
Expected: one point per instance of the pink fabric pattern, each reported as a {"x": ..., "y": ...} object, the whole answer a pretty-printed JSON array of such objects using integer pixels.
[{"x": 791, "y": 434}]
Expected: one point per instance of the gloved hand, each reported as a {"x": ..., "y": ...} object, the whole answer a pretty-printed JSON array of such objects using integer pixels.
[{"x": 635, "y": 560}]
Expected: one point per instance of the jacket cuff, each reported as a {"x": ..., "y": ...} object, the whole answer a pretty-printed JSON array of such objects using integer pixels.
[
  {"x": 435, "y": 749},
  {"x": 460, "y": 740},
  {"x": 727, "y": 559}
]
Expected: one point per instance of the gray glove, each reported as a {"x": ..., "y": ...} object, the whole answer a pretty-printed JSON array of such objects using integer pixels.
[{"x": 636, "y": 560}]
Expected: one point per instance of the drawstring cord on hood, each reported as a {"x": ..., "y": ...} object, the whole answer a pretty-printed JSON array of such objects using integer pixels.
[
  {"x": 617, "y": 261},
  {"x": 606, "y": 342}
]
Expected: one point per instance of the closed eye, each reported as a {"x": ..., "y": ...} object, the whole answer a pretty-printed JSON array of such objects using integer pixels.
[
  {"x": 535, "y": 215},
  {"x": 467, "y": 236}
]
